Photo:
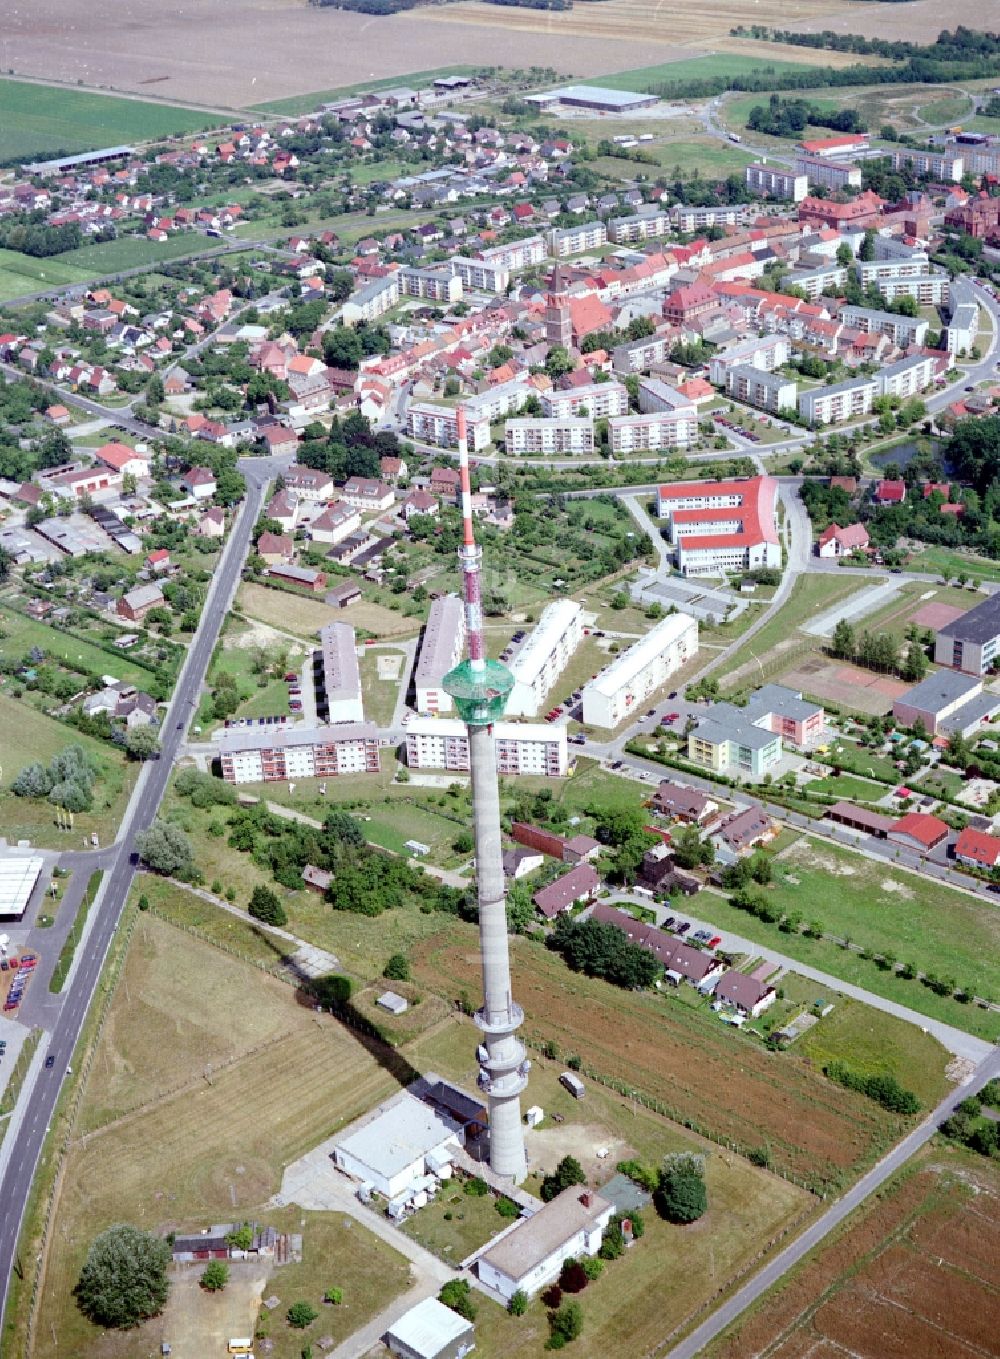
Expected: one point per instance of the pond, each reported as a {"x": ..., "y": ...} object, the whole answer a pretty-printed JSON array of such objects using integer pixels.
[{"x": 903, "y": 454}]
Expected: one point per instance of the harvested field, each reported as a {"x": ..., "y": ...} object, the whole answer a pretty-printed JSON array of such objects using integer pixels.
[
  {"x": 887, "y": 1291},
  {"x": 847, "y": 686},
  {"x": 683, "y": 1058}
]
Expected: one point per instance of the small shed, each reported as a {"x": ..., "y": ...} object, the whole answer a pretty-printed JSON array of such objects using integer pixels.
[
  {"x": 430, "y": 1331},
  {"x": 395, "y": 1004}
]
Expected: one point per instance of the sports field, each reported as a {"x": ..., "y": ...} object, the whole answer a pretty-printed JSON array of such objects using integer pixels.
[
  {"x": 39, "y": 122},
  {"x": 914, "y": 1272}
]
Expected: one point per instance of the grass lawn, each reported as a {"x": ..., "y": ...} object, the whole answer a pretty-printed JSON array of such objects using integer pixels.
[
  {"x": 23, "y": 274},
  {"x": 30, "y": 735},
  {"x": 858, "y": 760},
  {"x": 380, "y": 170},
  {"x": 719, "y": 64},
  {"x": 308, "y": 103},
  {"x": 942, "y": 782},
  {"x": 774, "y": 644},
  {"x": 42, "y": 121},
  {"x": 934, "y": 927},
  {"x": 21, "y": 634},
  {"x": 181, "y": 1157},
  {"x": 379, "y": 694},
  {"x": 134, "y": 252},
  {"x": 950, "y": 563},
  {"x": 847, "y": 785},
  {"x": 303, "y": 617},
  {"x": 470, "y": 1223}
]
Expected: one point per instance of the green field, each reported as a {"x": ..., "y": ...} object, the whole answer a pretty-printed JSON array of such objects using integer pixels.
[
  {"x": 43, "y": 121},
  {"x": 134, "y": 252},
  {"x": 21, "y": 274},
  {"x": 20, "y": 634},
  {"x": 948, "y": 562},
  {"x": 307, "y": 103},
  {"x": 29, "y": 735},
  {"x": 719, "y": 64},
  {"x": 704, "y": 156}
]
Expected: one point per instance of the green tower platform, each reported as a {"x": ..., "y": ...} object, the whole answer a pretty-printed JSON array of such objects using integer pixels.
[{"x": 480, "y": 695}]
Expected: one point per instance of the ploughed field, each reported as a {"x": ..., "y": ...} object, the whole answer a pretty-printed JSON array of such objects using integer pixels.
[
  {"x": 917, "y": 1273},
  {"x": 697, "y": 1070}
]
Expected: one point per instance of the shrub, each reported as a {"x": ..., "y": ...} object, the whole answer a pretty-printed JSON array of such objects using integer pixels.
[
  {"x": 397, "y": 968},
  {"x": 265, "y": 906},
  {"x": 573, "y": 1277},
  {"x": 552, "y": 1295},
  {"x": 592, "y": 1266},
  {"x": 301, "y": 1314},
  {"x": 507, "y": 1207},
  {"x": 335, "y": 1296},
  {"x": 565, "y": 1324},
  {"x": 681, "y": 1195},
  {"x": 476, "y": 1187},
  {"x": 214, "y": 1277},
  {"x": 884, "y": 1090},
  {"x": 518, "y": 1304},
  {"x": 457, "y": 1294}
]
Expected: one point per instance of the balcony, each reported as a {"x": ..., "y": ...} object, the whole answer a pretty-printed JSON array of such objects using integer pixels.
[{"x": 510, "y": 1019}]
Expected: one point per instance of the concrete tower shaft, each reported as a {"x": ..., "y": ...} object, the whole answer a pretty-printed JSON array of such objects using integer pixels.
[{"x": 480, "y": 688}]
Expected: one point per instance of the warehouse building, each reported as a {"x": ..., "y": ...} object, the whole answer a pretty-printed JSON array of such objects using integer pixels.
[
  {"x": 18, "y": 875},
  {"x": 626, "y": 684},
  {"x": 440, "y": 650},
  {"x": 947, "y": 701},
  {"x": 522, "y": 747},
  {"x": 545, "y": 654},
  {"x": 339, "y": 696},
  {"x": 593, "y": 97}
]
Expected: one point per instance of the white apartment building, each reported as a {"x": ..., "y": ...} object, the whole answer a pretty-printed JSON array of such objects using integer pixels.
[
  {"x": 438, "y": 425},
  {"x": 597, "y": 398},
  {"x": 340, "y": 675},
  {"x": 907, "y": 377},
  {"x": 769, "y": 391},
  {"x": 522, "y": 747},
  {"x": 814, "y": 281},
  {"x": 943, "y": 165},
  {"x": 622, "y": 689},
  {"x": 277, "y": 754},
  {"x": 841, "y": 401},
  {"x": 766, "y": 352},
  {"x": 903, "y": 331},
  {"x": 660, "y": 429},
  {"x": 531, "y": 435},
  {"x": 440, "y": 650},
  {"x": 697, "y": 218},
  {"x": 545, "y": 654},
  {"x": 962, "y": 330},
  {"x": 516, "y": 254},
  {"x": 830, "y": 174},
  {"x": 486, "y": 276},
  {"x": 644, "y": 226},
  {"x": 911, "y": 265},
  {"x": 774, "y": 182},
  {"x": 656, "y": 396},
  {"x": 437, "y": 285},
  {"x": 929, "y": 290},
  {"x": 371, "y": 301},
  {"x": 565, "y": 241},
  {"x": 637, "y": 355}
]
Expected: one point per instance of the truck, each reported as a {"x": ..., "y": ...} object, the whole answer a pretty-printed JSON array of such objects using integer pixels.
[{"x": 573, "y": 1084}]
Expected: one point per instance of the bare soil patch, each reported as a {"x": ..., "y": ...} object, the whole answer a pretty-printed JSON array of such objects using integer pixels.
[
  {"x": 197, "y": 1323},
  {"x": 847, "y": 685}
]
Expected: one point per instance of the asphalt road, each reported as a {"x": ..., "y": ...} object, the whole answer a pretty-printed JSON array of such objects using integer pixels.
[
  {"x": 746, "y": 1296},
  {"x": 119, "y": 873}
]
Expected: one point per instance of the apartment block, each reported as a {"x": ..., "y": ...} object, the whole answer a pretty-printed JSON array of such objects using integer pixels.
[
  {"x": 565, "y": 241},
  {"x": 944, "y": 165},
  {"x": 642, "y": 227},
  {"x": 516, "y": 254},
  {"x": 637, "y": 355},
  {"x": 766, "y": 352},
  {"x": 522, "y": 747},
  {"x": 814, "y": 282},
  {"x": 656, "y": 395},
  {"x": 438, "y": 425},
  {"x": 441, "y": 649},
  {"x": 437, "y": 285},
  {"x": 875, "y": 271},
  {"x": 962, "y": 330},
  {"x": 972, "y": 642},
  {"x": 841, "y": 401},
  {"x": 279, "y": 754},
  {"x": 599, "y": 399},
  {"x": 689, "y": 219},
  {"x": 372, "y": 301},
  {"x": 771, "y": 181},
  {"x": 483, "y": 275},
  {"x": 929, "y": 290},
  {"x": 544, "y": 655},
  {"x": 532, "y": 435},
  {"x": 663, "y": 429},
  {"x": 903, "y": 331},
  {"x": 769, "y": 391},
  {"x": 623, "y": 688},
  {"x": 336, "y": 668},
  {"x": 830, "y": 174}
]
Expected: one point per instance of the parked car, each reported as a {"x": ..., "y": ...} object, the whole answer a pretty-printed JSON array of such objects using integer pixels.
[
  {"x": 50, "y": 1062},
  {"x": 715, "y": 941},
  {"x": 683, "y": 927}
]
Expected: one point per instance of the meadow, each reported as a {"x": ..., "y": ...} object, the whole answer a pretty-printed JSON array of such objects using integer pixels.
[{"x": 43, "y": 121}]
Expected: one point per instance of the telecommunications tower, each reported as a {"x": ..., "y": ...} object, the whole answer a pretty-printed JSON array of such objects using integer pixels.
[{"x": 480, "y": 689}]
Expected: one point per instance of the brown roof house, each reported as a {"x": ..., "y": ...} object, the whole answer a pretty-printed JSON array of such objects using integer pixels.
[
  {"x": 746, "y": 995},
  {"x": 579, "y": 884},
  {"x": 137, "y": 603}
]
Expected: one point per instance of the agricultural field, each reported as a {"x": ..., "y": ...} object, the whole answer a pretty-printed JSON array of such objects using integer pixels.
[
  {"x": 681, "y": 158},
  {"x": 30, "y": 735},
  {"x": 169, "y": 1072},
  {"x": 914, "y": 1271},
  {"x": 308, "y": 103},
  {"x": 38, "y": 121},
  {"x": 682, "y": 1058},
  {"x": 672, "y": 1272},
  {"x": 719, "y": 64}
]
